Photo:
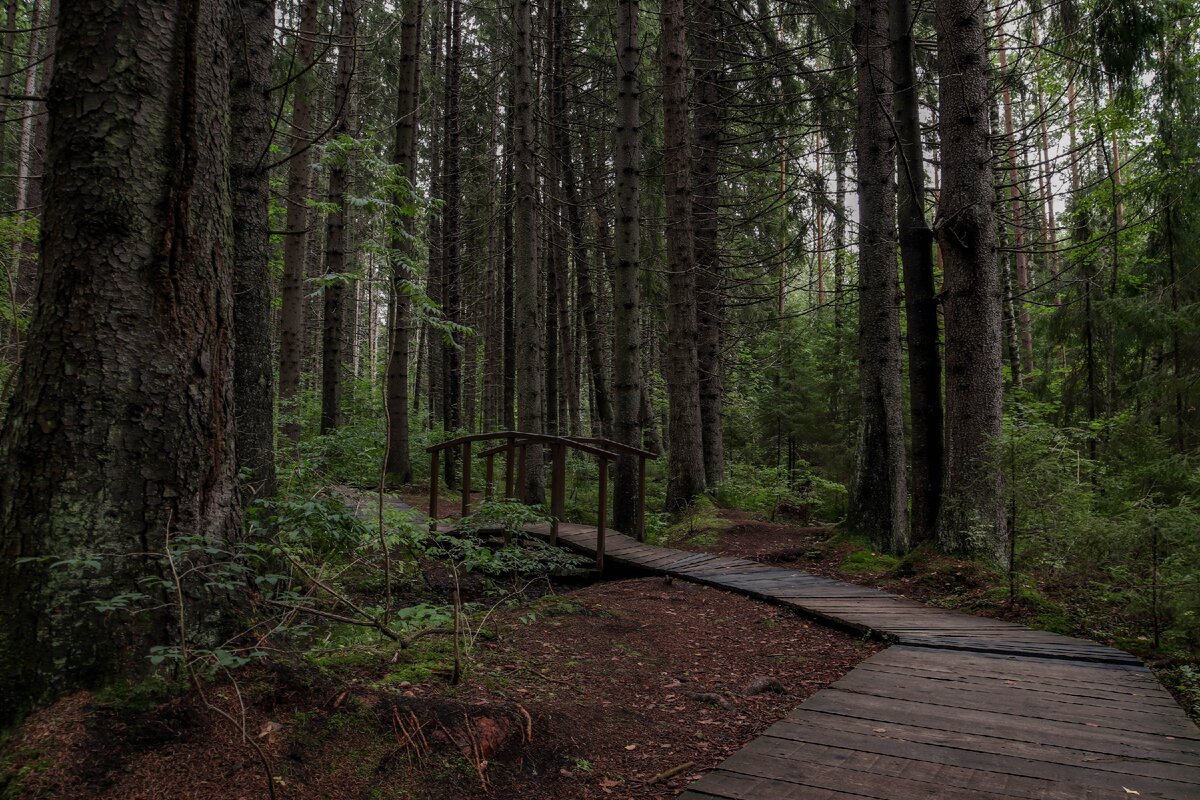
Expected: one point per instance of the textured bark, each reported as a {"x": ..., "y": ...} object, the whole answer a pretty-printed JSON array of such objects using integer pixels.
[
  {"x": 398, "y": 464},
  {"x": 920, "y": 293},
  {"x": 627, "y": 311},
  {"x": 295, "y": 242},
  {"x": 559, "y": 135},
  {"x": 120, "y": 430},
  {"x": 971, "y": 520},
  {"x": 528, "y": 336},
  {"x": 252, "y": 36},
  {"x": 878, "y": 493},
  {"x": 509, "y": 399},
  {"x": 709, "y": 97},
  {"x": 451, "y": 237},
  {"x": 685, "y": 466},
  {"x": 333, "y": 336}
]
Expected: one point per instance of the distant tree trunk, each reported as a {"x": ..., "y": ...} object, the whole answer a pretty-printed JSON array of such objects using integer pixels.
[
  {"x": 1016, "y": 206},
  {"x": 972, "y": 514},
  {"x": 627, "y": 312},
  {"x": 334, "y": 320},
  {"x": 707, "y": 24},
  {"x": 251, "y": 42},
  {"x": 136, "y": 303},
  {"x": 920, "y": 292},
  {"x": 20, "y": 266},
  {"x": 295, "y": 242},
  {"x": 560, "y": 155},
  {"x": 509, "y": 398},
  {"x": 451, "y": 237},
  {"x": 878, "y": 493},
  {"x": 398, "y": 464},
  {"x": 685, "y": 468},
  {"x": 434, "y": 284},
  {"x": 528, "y": 334}
]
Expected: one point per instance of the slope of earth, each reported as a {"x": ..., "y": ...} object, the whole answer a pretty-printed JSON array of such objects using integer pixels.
[{"x": 621, "y": 689}]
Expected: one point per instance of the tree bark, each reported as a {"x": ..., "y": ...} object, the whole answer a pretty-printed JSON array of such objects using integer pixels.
[
  {"x": 530, "y": 388},
  {"x": 685, "y": 466},
  {"x": 333, "y": 338},
  {"x": 627, "y": 311},
  {"x": 972, "y": 514},
  {"x": 398, "y": 464},
  {"x": 878, "y": 493},
  {"x": 451, "y": 238},
  {"x": 251, "y": 42},
  {"x": 709, "y": 97},
  {"x": 120, "y": 431},
  {"x": 295, "y": 242},
  {"x": 920, "y": 292}
]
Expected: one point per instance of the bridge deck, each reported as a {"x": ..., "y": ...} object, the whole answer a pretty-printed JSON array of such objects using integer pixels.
[{"x": 959, "y": 707}]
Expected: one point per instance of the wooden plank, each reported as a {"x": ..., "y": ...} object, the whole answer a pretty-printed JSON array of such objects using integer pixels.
[{"x": 898, "y": 767}]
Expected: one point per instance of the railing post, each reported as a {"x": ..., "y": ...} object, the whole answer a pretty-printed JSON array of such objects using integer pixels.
[
  {"x": 489, "y": 477},
  {"x": 509, "y": 466},
  {"x": 434, "y": 464},
  {"x": 466, "y": 479},
  {"x": 641, "y": 509},
  {"x": 519, "y": 494},
  {"x": 602, "y": 514},
  {"x": 558, "y": 490}
]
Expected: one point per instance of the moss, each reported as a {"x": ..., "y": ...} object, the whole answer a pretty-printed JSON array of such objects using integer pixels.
[
  {"x": 137, "y": 696},
  {"x": 420, "y": 662},
  {"x": 867, "y": 562},
  {"x": 700, "y": 524},
  {"x": 15, "y": 770}
]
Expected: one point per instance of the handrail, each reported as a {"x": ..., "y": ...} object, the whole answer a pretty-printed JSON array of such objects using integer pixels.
[{"x": 515, "y": 448}]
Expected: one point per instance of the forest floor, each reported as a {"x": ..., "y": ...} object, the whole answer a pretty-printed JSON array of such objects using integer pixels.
[{"x": 594, "y": 692}]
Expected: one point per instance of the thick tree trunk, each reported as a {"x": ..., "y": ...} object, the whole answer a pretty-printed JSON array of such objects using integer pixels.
[
  {"x": 972, "y": 514},
  {"x": 530, "y": 388},
  {"x": 296, "y": 240},
  {"x": 685, "y": 467},
  {"x": 920, "y": 293},
  {"x": 878, "y": 493},
  {"x": 120, "y": 431},
  {"x": 509, "y": 399},
  {"x": 398, "y": 464},
  {"x": 251, "y": 41},
  {"x": 333, "y": 337},
  {"x": 627, "y": 311},
  {"x": 709, "y": 96}
]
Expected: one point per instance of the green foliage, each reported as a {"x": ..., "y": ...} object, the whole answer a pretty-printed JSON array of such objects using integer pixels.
[{"x": 868, "y": 562}]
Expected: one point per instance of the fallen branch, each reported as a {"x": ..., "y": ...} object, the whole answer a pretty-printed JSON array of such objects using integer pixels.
[{"x": 671, "y": 773}]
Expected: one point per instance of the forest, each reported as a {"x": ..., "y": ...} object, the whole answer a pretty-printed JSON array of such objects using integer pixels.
[{"x": 903, "y": 295}]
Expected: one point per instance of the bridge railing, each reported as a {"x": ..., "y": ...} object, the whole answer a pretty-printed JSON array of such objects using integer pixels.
[{"x": 515, "y": 448}]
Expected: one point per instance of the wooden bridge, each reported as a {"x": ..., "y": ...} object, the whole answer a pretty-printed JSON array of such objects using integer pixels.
[{"x": 958, "y": 707}]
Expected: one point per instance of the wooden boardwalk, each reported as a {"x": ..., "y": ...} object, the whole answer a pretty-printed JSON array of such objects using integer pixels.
[{"x": 959, "y": 706}]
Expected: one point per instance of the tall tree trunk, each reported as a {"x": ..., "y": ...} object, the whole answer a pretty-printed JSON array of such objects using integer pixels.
[
  {"x": 1016, "y": 206},
  {"x": 20, "y": 266},
  {"x": 526, "y": 310},
  {"x": 398, "y": 464},
  {"x": 251, "y": 42},
  {"x": 709, "y": 97},
  {"x": 509, "y": 399},
  {"x": 135, "y": 302},
  {"x": 920, "y": 293},
  {"x": 878, "y": 493},
  {"x": 333, "y": 338},
  {"x": 685, "y": 466},
  {"x": 451, "y": 237},
  {"x": 627, "y": 310},
  {"x": 296, "y": 240},
  {"x": 972, "y": 514}
]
